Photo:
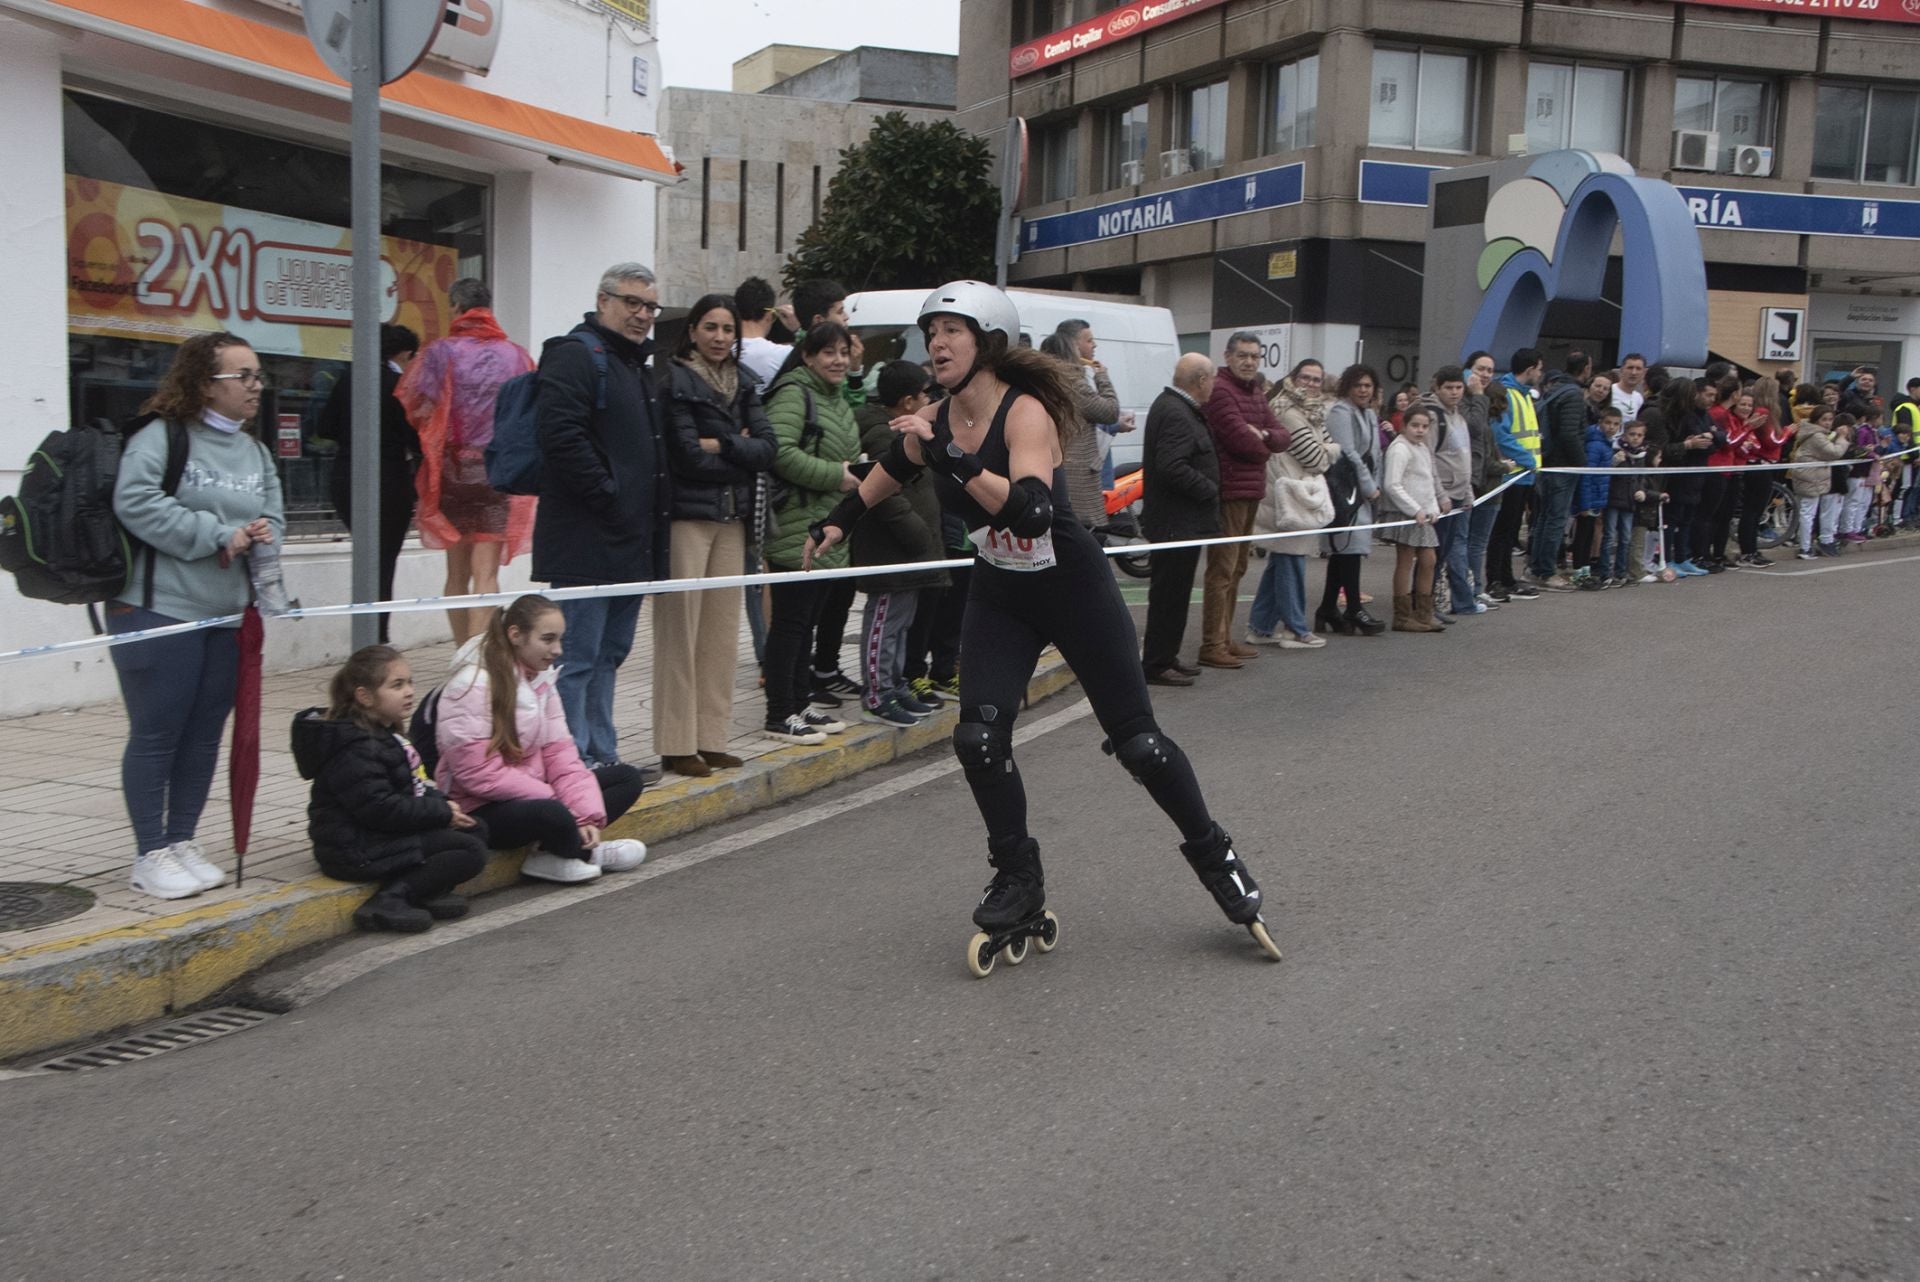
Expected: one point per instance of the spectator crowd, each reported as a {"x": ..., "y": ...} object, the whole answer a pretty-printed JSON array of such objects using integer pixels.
[{"x": 716, "y": 456}]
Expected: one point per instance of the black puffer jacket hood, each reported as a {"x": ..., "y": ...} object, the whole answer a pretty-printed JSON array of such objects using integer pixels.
[{"x": 368, "y": 808}]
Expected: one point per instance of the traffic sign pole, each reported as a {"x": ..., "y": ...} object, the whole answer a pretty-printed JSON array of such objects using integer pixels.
[{"x": 367, "y": 312}]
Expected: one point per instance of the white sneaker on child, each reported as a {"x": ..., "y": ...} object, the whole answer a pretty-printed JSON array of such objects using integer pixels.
[
  {"x": 161, "y": 874},
  {"x": 560, "y": 868},
  {"x": 194, "y": 859},
  {"x": 618, "y": 856}
]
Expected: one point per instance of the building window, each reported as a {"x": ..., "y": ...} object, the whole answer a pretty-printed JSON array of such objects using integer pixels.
[
  {"x": 1054, "y": 157},
  {"x": 1866, "y": 133},
  {"x": 1203, "y": 124},
  {"x": 1423, "y": 100},
  {"x": 1575, "y": 105},
  {"x": 1740, "y": 111},
  {"x": 1035, "y": 18},
  {"x": 1127, "y": 146},
  {"x": 1293, "y": 98},
  {"x": 182, "y": 227}
]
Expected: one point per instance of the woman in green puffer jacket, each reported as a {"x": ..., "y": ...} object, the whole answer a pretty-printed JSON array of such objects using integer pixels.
[{"x": 811, "y": 472}]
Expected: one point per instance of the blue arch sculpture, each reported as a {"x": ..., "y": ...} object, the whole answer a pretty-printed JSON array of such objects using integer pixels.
[{"x": 1663, "y": 310}]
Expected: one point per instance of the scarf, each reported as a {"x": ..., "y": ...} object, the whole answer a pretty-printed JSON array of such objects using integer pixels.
[
  {"x": 477, "y": 322},
  {"x": 1312, "y": 408},
  {"x": 723, "y": 378}
]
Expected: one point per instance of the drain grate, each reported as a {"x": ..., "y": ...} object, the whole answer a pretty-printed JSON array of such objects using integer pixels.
[
  {"x": 26, "y": 904},
  {"x": 145, "y": 1044}
]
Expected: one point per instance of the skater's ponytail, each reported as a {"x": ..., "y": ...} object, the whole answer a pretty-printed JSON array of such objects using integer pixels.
[
  {"x": 1038, "y": 375},
  {"x": 502, "y": 666}
]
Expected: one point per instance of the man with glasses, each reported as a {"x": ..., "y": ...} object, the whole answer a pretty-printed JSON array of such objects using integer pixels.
[{"x": 604, "y": 509}]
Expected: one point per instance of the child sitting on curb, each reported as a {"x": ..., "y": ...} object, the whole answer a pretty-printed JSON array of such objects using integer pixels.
[
  {"x": 374, "y": 815},
  {"x": 505, "y": 752}
]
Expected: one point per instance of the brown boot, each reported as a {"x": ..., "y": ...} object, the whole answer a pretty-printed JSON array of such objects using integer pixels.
[
  {"x": 1423, "y": 612},
  {"x": 1403, "y": 614},
  {"x": 1215, "y": 656},
  {"x": 694, "y": 766},
  {"x": 1241, "y": 650}
]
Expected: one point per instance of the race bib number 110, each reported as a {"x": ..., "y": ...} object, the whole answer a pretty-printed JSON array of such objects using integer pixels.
[{"x": 1009, "y": 552}]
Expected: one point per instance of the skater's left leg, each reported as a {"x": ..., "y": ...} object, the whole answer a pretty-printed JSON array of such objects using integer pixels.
[{"x": 1002, "y": 651}]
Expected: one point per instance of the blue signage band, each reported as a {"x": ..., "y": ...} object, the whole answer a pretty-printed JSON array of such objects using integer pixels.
[{"x": 1201, "y": 203}]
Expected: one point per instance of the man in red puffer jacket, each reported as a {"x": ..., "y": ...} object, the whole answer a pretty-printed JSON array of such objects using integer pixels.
[{"x": 1245, "y": 435}]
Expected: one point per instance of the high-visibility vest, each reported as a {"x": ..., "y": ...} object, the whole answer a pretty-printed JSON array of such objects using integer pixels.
[
  {"x": 1907, "y": 414},
  {"x": 1525, "y": 424}
]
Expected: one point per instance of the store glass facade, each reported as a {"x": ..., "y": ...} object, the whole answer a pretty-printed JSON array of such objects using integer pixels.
[{"x": 178, "y": 226}]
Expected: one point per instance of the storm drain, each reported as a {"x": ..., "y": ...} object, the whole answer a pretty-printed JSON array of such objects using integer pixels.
[{"x": 180, "y": 1033}]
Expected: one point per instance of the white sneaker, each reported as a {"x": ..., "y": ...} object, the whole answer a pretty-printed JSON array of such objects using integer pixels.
[
  {"x": 822, "y": 722},
  {"x": 1649, "y": 578},
  {"x": 793, "y": 730},
  {"x": 1308, "y": 641},
  {"x": 194, "y": 860},
  {"x": 161, "y": 874},
  {"x": 619, "y": 856},
  {"x": 567, "y": 872},
  {"x": 1264, "y": 638}
]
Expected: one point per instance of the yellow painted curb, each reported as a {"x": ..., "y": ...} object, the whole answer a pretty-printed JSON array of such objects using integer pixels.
[{"x": 87, "y": 986}]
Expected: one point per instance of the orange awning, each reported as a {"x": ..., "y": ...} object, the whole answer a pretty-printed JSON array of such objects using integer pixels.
[{"x": 285, "y": 57}]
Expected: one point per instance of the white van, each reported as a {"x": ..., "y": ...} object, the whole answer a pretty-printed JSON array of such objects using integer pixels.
[{"x": 1137, "y": 344}]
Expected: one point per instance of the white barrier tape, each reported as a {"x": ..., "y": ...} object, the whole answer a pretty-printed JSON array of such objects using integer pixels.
[
  {"x": 664, "y": 586},
  {"x": 1727, "y": 469}
]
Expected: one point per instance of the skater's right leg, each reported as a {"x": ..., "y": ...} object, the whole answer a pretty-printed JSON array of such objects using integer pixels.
[{"x": 991, "y": 687}]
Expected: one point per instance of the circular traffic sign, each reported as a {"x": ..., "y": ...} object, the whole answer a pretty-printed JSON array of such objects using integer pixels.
[{"x": 407, "y": 31}]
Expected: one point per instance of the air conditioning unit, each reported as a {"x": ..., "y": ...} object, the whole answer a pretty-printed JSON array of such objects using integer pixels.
[
  {"x": 1696, "y": 149},
  {"x": 1132, "y": 172},
  {"x": 1753, "y": 162},
  {"x": 1176, "y": 162}
]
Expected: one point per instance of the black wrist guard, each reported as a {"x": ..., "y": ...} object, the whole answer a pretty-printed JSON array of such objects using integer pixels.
[
  {"x": 949, "y": 459},
  {"x": 846, "y": 514}
]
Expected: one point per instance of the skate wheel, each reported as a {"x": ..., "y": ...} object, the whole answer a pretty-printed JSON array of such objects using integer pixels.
[
  {"x": 1258, "y": 929},
  {"x": 1049, "y": 937},
  {"x": 980, "y": 955},
  {"x": 1017, "y": 950}
]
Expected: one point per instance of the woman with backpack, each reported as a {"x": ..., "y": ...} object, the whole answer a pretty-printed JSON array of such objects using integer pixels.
[
  {"x": 718, "y": 443},
  {"x": 198, "y": 490},
  {"x": 817, "y": 442}
]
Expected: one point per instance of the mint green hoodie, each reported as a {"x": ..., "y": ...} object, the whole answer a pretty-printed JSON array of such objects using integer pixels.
[{"x": 229, "y": 481}]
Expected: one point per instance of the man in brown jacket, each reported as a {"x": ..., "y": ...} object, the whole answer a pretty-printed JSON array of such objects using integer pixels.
[{"x": 1245, "y": 435}]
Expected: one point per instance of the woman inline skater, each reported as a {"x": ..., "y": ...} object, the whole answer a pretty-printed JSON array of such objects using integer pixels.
[{"x": 994, "y": 445}]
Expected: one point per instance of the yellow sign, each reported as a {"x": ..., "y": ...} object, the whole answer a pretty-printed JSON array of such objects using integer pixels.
[
  {"x": 635, "y": 9},
  {"x": 145, "y": 265},
  {"x": 1283, "y": 265}
]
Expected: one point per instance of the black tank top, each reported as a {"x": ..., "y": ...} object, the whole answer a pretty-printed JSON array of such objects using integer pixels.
[{"x": 995, "y": 457}]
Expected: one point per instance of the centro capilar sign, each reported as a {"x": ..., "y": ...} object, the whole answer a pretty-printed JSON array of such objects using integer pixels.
[{"x": 1097, "y": 33}]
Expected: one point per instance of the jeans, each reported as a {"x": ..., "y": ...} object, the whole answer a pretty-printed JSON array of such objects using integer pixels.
[
  {"x": 1479, "y": 533},
  {"x": 178, "y": 691},
  {"x": 756, "y": 606},
  {"x": 1281, "y": 597},
  {"x": 1555, "y": 493},
  {"x": 599, "y": 638},
  {"x": 1618, "y": 542},
  {"x": 1454, "y": 555}
]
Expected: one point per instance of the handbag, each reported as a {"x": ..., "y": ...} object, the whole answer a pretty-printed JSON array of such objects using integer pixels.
[
  {"x": 1300, "y": 502},
  {"x": 1343, "y": 489}
]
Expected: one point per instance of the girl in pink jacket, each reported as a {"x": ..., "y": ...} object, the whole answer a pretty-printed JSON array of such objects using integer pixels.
[{"x": 506, "y": 756}]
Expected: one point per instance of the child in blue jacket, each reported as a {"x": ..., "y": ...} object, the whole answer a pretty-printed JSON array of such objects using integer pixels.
[{"x": 1590, "y": 500}]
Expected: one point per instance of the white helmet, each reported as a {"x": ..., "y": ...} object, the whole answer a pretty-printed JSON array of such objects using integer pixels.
[{"x": 986, "y": 306}]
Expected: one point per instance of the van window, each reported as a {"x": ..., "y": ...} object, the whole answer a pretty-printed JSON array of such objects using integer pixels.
[{"x": 883, "y": 343}]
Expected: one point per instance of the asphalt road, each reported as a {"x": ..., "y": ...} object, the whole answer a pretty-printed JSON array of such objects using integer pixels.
[{"x": 1599, "y": 917}]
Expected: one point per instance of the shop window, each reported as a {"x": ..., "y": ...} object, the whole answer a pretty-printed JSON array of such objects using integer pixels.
[
  {"x": 1739, "y": 110},
  {"x": 1293, "y": 98},
  {"x": 1203, "y": 124},
  {"x": 1866, "y": 133},
  {"x": 1423, "y": 100},
  {"x": 1054, "y": 156},
  {"x": 178, "y": 226},
  {"x": 1576, "y": 105},
  {"x": 1127, "y": 146}
]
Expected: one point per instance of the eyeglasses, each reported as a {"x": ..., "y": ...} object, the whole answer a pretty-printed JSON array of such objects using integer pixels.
[
  {"x": 245, "y": 377},
  {"x": 1308, "y": 380},
  {"x": 635, "y": 303}
]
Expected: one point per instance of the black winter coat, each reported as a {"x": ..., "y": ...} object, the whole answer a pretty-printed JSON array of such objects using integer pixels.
[
  {"x": 901, "y": 527},
  {"x": 1180, "y": 481},
  {"x": 365, "y": 818},
  {"x": 605, "y": 495},
  {"x": 1563, "y": 422},
  {"x": 715, "y": 487}
]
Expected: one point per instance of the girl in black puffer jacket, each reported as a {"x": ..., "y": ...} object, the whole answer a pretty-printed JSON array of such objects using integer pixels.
[{"x": 375, "y": 814}]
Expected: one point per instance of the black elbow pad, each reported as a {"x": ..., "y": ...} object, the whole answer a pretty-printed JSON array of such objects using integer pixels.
[
  {"x": 896, "y": 464},
  {"x": 1028, "y": 511}
]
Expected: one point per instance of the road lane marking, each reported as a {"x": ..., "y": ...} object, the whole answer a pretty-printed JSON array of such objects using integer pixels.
[{"x": 1835, "y": 569}]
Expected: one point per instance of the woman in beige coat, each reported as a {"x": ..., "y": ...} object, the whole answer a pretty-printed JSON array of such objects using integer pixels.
[{"x": 1279, "y": 613}]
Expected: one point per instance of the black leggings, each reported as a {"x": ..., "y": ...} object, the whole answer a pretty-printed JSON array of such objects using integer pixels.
[
  {"x": 830, "y": 629},
  {"x": 549, "y": 824},
  {"x": 1343, "y": 571},
  {"x": 936, "y": 629},
  {"x": 1506, "y": 535},
  {"x": 1011, "y": 616},
  {"x": 796, "y": 609},
  {"x": 1756, "y": 493},
  {"x": 1710, "y": 523},
  {"x": 453, "y": 855}
]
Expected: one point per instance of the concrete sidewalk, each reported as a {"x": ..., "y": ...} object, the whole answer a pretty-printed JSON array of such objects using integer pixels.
[{"x": 129, "y": 958}]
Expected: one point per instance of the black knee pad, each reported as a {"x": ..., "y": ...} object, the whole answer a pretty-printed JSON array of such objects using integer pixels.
[
  {"x": 1147, "y": 754},
  {"x": 982, "y": 746}
]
